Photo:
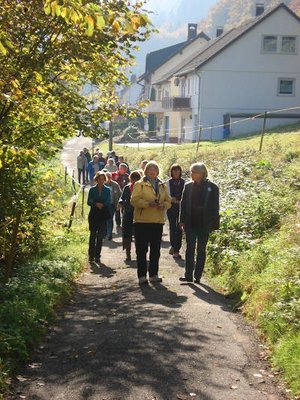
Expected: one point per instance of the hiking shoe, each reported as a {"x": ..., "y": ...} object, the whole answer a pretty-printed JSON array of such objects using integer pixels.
[
  {"x": 184, "y": 279},
  {"x": 155, "y": 278},
  {"x": 197, "y": 280},
  {"x": 143, "y": 280},
  {"x": 171, "y": 251},
  {"x": 177, "y": 255},
  {"x": 97, "y": 261}
]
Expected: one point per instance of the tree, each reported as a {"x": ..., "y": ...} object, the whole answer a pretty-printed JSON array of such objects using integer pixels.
[{"x": 48, "y": 51}]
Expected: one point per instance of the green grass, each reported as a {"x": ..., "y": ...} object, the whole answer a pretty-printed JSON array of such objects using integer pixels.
[
  {"x": 41, "y": 284},
  {"x": 287, "y": 357}
]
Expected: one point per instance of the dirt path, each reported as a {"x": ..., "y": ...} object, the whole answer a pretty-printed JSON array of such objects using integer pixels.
[{"x": 116, "y": 340}]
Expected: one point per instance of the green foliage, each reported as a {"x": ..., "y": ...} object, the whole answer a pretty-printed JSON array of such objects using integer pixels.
[
  {"x": 287, "y": 357},
  {"x": 60, "y": 62},
  {"x": 42, "y": 280}
]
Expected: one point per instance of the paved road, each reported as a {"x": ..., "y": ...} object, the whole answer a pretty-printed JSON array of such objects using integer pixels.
[{"x": 116, "y": 340}]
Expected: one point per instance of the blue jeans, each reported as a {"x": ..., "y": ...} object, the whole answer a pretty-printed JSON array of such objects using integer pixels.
[
  {"x": 110, "y": 221},
  {"x": 201, "y": 237}
]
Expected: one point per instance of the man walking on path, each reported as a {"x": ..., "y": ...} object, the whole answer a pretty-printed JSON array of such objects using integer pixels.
[{"x": 199, "y": 215}]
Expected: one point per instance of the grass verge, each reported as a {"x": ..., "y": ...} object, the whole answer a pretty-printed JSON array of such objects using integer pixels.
[{"x": 42, "y": 283}]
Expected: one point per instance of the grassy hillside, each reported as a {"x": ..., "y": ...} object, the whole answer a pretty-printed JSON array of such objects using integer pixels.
[{"x": 255, "y": 256}]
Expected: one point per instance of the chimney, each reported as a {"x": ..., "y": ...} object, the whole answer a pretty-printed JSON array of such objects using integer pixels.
[
  {"x": 192, "y": 31},
  {"x": 260, "y": 9},
  {"x": 220, "y": 31}
]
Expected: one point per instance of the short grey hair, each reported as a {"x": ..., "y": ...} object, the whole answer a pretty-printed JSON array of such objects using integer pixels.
[
  {"x": 199, "y": 168},
  {"x": 151, "y": 164}
]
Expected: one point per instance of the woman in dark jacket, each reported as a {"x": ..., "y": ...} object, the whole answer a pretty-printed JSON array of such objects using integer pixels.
[
  {"x": 127, "y": 220},
  {"x": 99, "y": 200},
  {"x": 175, "y": 187}
]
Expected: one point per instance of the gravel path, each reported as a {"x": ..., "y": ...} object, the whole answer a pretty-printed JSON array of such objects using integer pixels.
[{"x": 116, "y": 340}]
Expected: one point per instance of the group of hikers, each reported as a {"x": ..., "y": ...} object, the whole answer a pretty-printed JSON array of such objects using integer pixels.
[{"x": 139, "y": 201}]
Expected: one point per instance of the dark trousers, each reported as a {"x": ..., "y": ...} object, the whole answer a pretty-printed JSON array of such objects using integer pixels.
[
  {"x": 110, "y": 221},
  {"x": 147, "y": 235},
  {"x": 96, "y": 239},
  {"x": 175, "y": 231},
  {"x": 118, "y": 217},
  {"x": 193, "y": 236},
  {"x": 81, "y": 172}
]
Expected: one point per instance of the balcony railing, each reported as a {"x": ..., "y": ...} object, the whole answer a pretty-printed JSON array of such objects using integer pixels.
[{"x": 176, "y": 103}]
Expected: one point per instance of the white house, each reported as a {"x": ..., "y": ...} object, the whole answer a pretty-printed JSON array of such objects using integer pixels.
[
  {"x": 246, "y": 71},
  {"x": 157, "y": 64}
]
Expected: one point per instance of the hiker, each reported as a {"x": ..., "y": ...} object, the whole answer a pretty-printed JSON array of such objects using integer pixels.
[
  {"x": 88, "y": 159},
  {"x": 150, "y": 200},
  {"x": 99, "y": 201},
  {"x": 127, "y": 220},
  {"x": 122, "y": 178},
  {"x": 199, "y": 215},
  {"x": 93, "y": 168},
  {"x": 143, "y": 165},
  {"x": 115, "y": 195},
  {"x": 175, "y": 187},
  {"x": 81, "y": 167},
  {"x": 111, "y": 166}
]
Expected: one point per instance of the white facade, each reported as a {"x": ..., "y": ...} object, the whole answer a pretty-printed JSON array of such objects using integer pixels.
[{"x": 243, "y": 78}]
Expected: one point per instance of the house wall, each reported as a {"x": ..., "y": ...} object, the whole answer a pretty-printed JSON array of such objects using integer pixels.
[{"x": 244, "y": 79}]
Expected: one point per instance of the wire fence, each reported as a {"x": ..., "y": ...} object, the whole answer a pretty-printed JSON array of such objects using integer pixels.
[{"x": 200, "y": 129}]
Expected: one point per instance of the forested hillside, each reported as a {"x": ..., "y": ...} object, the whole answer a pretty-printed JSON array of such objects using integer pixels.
[{"x": 230, "y": 13}]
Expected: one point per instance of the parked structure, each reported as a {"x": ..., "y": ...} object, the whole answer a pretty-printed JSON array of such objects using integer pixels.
[{"x": 248, "y": 70}]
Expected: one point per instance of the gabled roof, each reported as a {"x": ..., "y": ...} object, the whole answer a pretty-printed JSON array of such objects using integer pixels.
[
  {"x": 219, "y": 44},
  {"x": 157, "y": 58}
]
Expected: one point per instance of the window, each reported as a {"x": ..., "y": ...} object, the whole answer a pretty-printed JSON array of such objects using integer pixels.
[
  {"x": 270, "y": 44},
  {"x": 288, "y": 44},
  {"x": 280, "y": 44},
  {"x": 286, "y": 87}
]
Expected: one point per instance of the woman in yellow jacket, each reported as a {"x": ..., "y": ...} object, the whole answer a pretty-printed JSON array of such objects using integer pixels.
[{"x": 150, "y": 199}]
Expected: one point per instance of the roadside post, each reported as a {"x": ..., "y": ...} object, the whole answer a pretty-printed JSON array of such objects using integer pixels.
[{"x": 263, "y": 131}]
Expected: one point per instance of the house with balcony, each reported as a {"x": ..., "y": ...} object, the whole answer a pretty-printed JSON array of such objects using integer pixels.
[
  {"x": 249, "y": 70},
  {"x": 157, "y": 64}
]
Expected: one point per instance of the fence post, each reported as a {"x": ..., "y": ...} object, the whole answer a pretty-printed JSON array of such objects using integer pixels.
[
  {"x": 72, "y": 214},
  {"x": 263, "y": 131},
  {"x": 66, "y": 174},
  {"x": 82, "y": 204},
  {"x": 73, "y": 180},
  {"x": 13, "y": 248},
  {"x": 199, "y": 138}
]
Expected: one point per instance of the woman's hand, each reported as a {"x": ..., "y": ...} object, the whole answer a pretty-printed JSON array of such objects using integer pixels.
[
  {"x": 182, "y": 226},
  {"x": 99, "y": 205}
]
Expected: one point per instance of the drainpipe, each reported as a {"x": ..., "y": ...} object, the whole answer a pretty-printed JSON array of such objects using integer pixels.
[{"x": 198, "y": 73}]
